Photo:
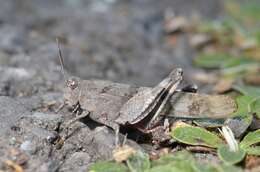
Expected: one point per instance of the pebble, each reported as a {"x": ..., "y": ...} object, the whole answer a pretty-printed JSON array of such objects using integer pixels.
[
  {"x": 238, "y": 126},
  {"x": 28, "y": 147}
]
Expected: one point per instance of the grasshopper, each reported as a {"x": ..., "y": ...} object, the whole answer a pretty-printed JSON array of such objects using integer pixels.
[{"x": 142, "y": 111}]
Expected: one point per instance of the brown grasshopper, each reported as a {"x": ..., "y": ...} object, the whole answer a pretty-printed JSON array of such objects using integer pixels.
[{"x": 141, "y": 111}]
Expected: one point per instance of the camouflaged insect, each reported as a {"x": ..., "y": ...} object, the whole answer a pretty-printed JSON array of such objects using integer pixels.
[{"x": 140, "y": 109}]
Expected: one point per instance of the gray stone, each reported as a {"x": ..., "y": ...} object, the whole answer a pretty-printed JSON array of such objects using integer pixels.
[
  {"x": 238, "y": 126},
  {"x": 11, "y": 111},
  {"x": 49, "y": 121},
  {"x": 50, "y": 166},
  {"x": 28, "y": 147},
  {"x": 104, "y": 142},
  {"x": 76, "y": 162},
  {"x": 44, "y": 134}
]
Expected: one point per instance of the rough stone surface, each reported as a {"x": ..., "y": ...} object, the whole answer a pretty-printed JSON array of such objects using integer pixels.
[{"x": 10, "y": 112}]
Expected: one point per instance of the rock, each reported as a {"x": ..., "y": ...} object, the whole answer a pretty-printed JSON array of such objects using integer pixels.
[
  {"x": 17, "y": 74},
  {"x": 104, "y": 142},
  {"x": 48, "y": 121},
  {"x": 50, "y": 166},
  {"x": 32, "y": 103},
  {"x": 52, "y": 98},
  {"x": 4, "y": 58},
  {"x": 52, "y": 137},
  {"x": 28, "y": 147},
  {"x": 11, "y": 37},
  {"x": 44, "y": 134},
  {"x": 76, "y": 162},
  {"x": 237, "y": 125},
  {"x": 11, "y": 111}
]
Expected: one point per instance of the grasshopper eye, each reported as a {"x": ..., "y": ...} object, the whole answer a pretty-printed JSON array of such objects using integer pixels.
[
  {"x": 72, "y": 83},
  {"x": 176, "y": 73},
  {"x": 179, "y": 71}
]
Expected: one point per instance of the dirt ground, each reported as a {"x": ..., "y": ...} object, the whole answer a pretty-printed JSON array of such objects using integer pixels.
[{"x": 117, "y": 40}]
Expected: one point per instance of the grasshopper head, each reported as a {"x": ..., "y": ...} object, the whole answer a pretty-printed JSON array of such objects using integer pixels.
[
  {"x": 176, "y": 75},
  {"x": 72, "y": 91}
]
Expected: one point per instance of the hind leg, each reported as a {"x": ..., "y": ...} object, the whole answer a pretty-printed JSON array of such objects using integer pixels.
[{"x": 116, "y": 129}]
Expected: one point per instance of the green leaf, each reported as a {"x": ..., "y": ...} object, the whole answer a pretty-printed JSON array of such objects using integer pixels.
[
  {"x": 241, "y": 119},
  {"x": 244, "y": 112},
  {"x": 250, "y": 139},
  {"x": 242, "y": 68},
  {"x": 212, "y": 60},
  {"x": 243, "y": 107},
  {"x": 248, "y": 90},
  {"x": 178, "y": 156},
  {"x": 138, "y": 162},
  {"x": 221, "y": 30},
  {"x": 251, "y": 101},
  {"x": 253, "y": 150},
  {"x": 195, "y": 136},
  {"x": 204, "y": 168},
  {"x": 183, "y": 161},
  {"x": 108, "y": 167},
  {"x": 175, "y": 166},
  {"x": 228, "y": 168},
  {"x": 230, "y": 65},
  {"x": 245, "y": 12},
  {"x": 230, "y": 157},
  {"x": 216, "y": 168},
  {"x": 251, "y": 10}
]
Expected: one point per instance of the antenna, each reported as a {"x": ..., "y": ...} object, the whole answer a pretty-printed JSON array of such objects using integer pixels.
[{"x": 61, "y": 58}]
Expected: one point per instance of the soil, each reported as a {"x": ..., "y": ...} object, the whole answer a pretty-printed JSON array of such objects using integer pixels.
[{"x": 121, "y": 41}]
